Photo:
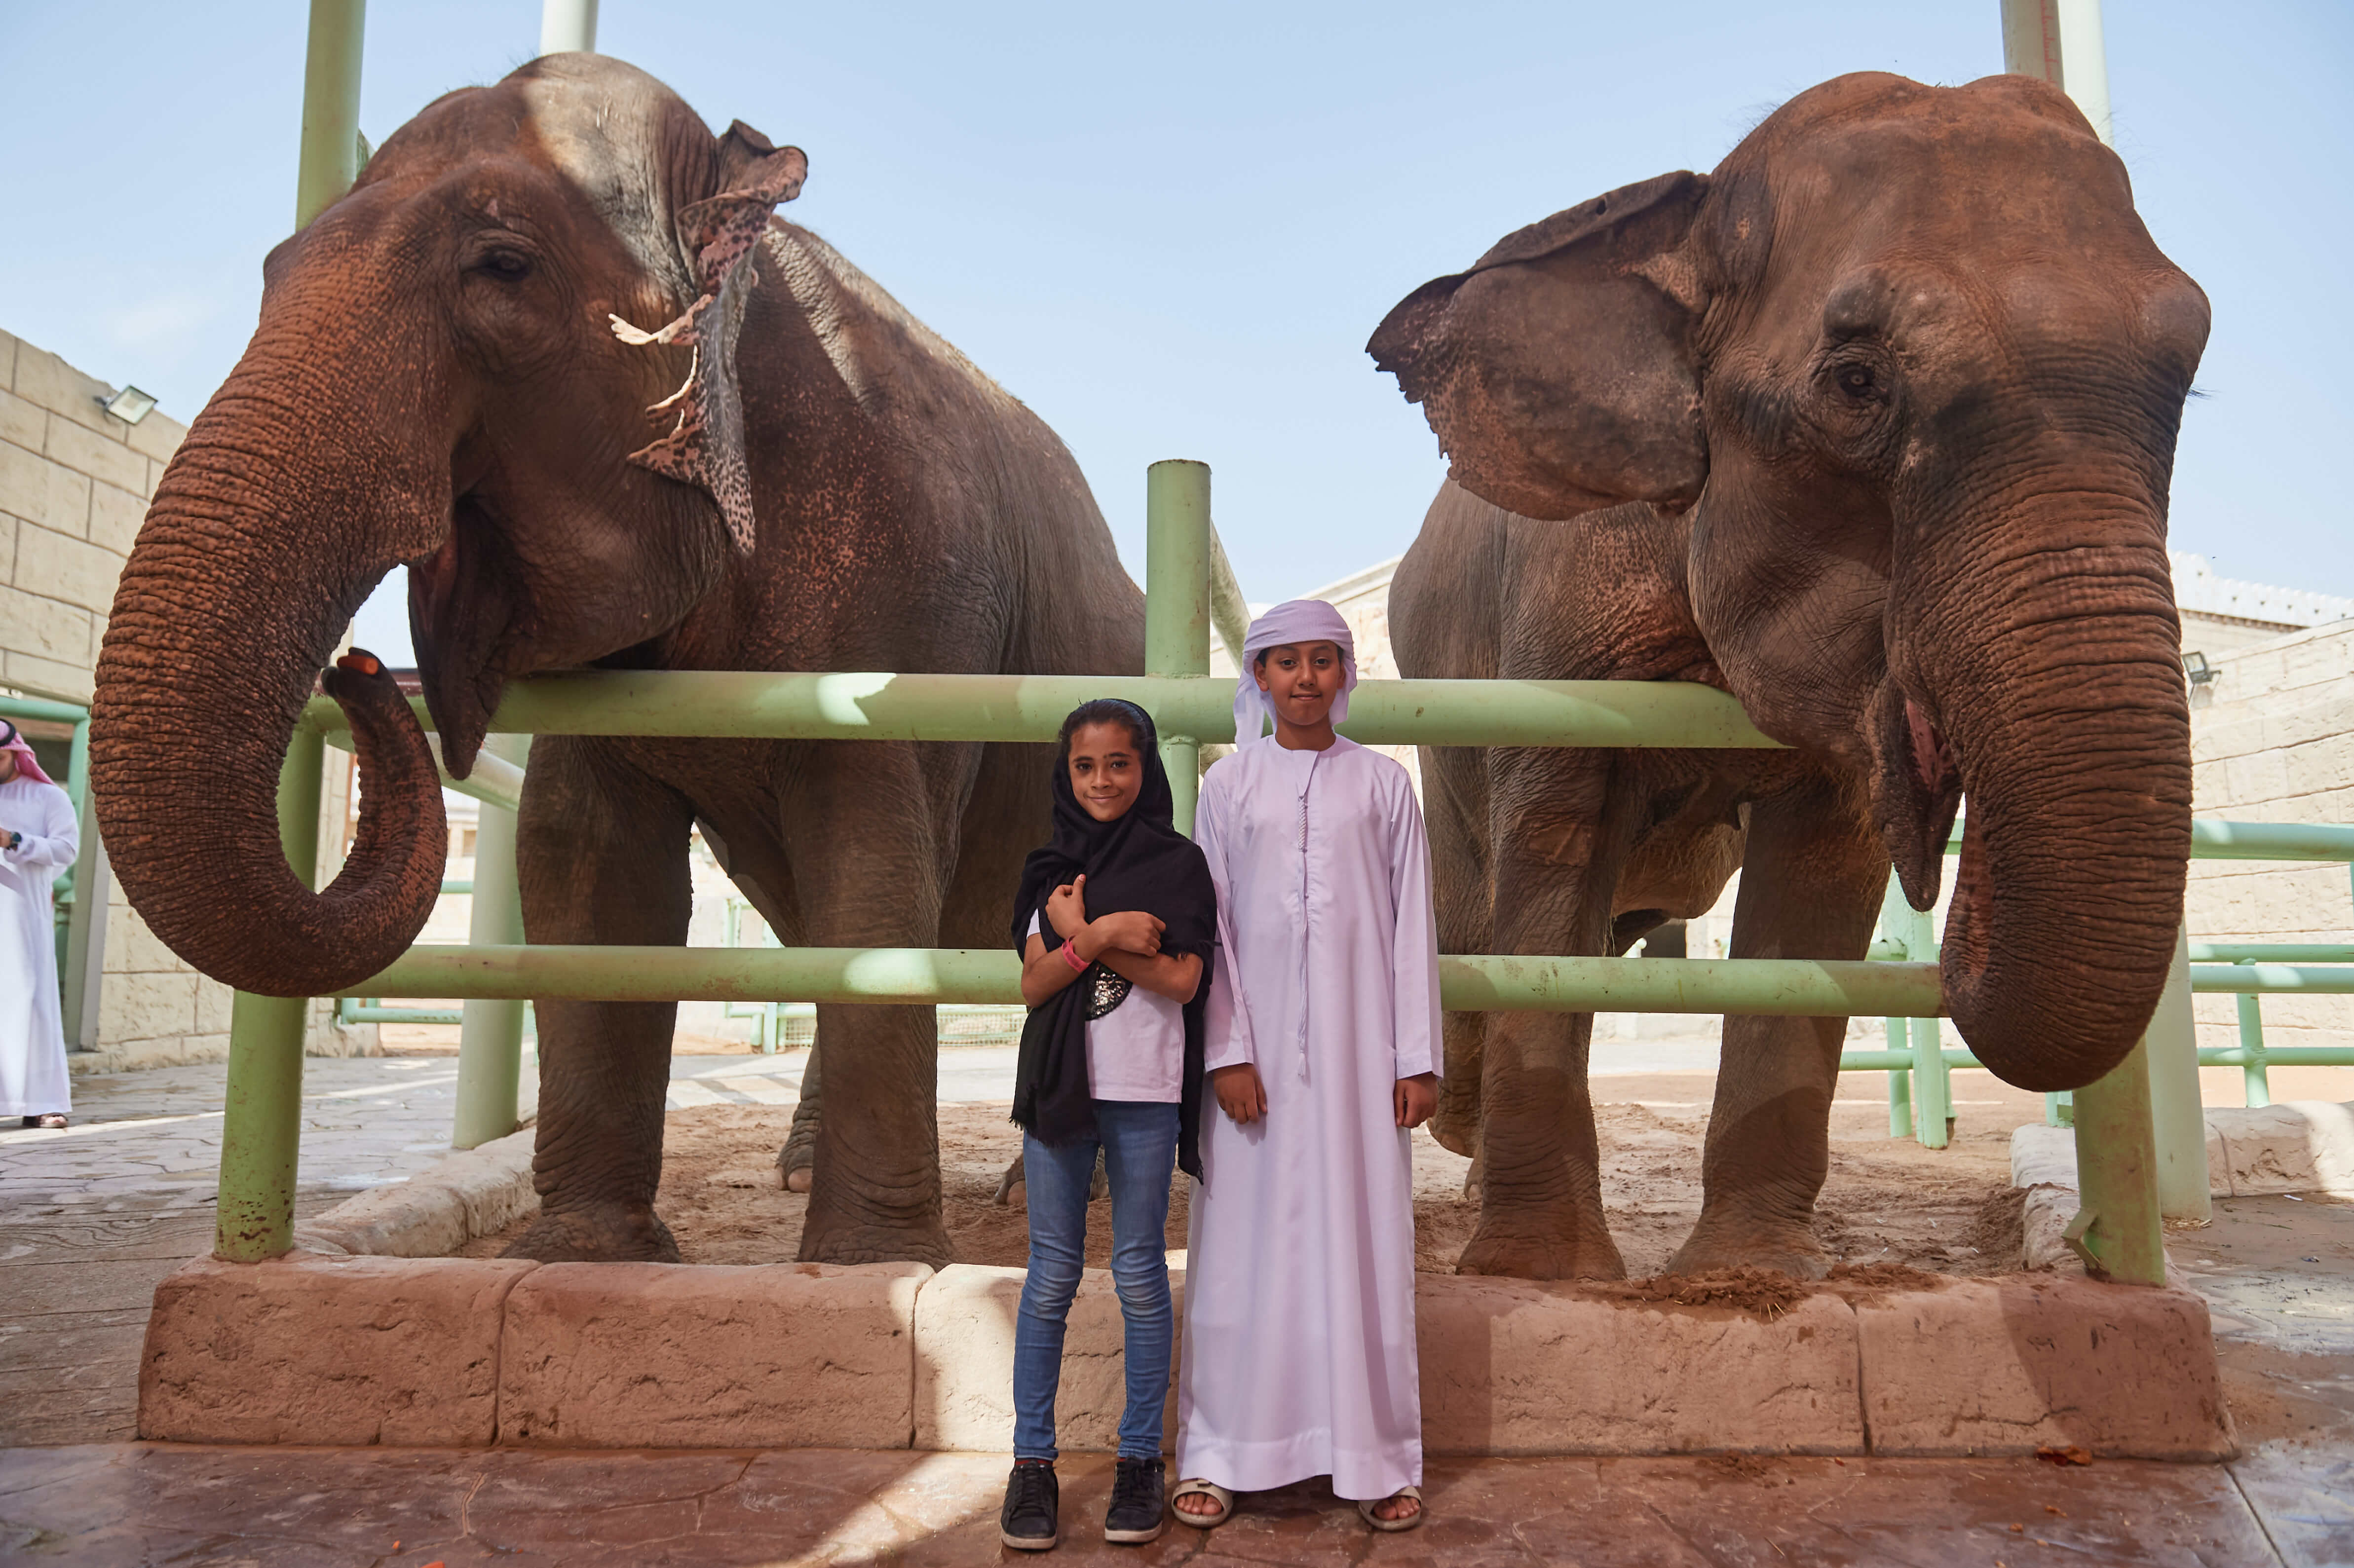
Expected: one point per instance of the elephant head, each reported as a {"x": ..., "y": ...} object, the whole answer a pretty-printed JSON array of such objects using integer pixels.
[
  {"x": 446, "y": 375},
  {"x": 1916, "y": 369}
]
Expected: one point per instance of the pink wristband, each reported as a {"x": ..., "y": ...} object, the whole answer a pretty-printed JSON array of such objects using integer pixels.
[{"x": 1071, "y": 956}]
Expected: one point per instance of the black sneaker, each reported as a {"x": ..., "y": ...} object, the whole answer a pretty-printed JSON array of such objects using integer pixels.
[
  {"x": 1138, "y": 1506},
  {"x": 1032, "y": 1498}
]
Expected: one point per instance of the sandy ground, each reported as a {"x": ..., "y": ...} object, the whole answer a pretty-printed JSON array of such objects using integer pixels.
[{"x": 1887, "y": 1201}]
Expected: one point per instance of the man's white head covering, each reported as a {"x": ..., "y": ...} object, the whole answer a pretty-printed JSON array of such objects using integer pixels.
[{"x": 1295, "y": 621}]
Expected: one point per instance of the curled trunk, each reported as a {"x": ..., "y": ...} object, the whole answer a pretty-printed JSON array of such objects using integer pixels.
[
  {"x": 262, "y": 541},
  {"x": 2074, "y": 750}
]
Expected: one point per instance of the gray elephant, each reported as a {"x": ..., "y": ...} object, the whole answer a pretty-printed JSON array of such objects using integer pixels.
[
  {"x": 454, "y": 370},
  {"x": 1872, "y": 428}
]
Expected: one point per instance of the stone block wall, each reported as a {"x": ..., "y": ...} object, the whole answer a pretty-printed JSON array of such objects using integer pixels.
[
  {"x": 2272, "y": 740},
  {"x": 74, "y": 487}
]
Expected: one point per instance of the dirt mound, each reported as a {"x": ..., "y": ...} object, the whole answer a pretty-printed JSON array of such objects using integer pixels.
[{"x": 1762, "y": 1292}]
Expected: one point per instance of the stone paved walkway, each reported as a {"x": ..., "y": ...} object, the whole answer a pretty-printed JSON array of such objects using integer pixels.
[{"x": 328, "y": 1508}]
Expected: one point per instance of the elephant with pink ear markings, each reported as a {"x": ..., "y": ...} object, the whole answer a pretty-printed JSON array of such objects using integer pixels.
[
  {"x": 554, "y": 353},
  {"x": 1871, "y": 427}
]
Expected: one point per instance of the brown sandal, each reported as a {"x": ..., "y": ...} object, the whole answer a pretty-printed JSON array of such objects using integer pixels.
[{"x": 1365, "y": 1511}]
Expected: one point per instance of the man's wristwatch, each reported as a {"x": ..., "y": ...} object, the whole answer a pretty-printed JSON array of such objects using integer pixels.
[{"x": 15, "y": 837}]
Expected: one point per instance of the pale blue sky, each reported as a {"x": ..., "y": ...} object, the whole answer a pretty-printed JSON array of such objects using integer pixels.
[{"x": 1169, "y": 230}]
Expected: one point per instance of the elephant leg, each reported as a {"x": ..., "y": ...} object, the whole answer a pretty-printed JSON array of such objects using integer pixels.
[
  {"x": 1810, "y": 888},
  {"x": 870, "y": 832},
  {"x": 602, "y": 859},
  {"x": 797, "y": 1158},
  {"x": 1455, "y": 812},
  {"x": 1563, "y": 823}
]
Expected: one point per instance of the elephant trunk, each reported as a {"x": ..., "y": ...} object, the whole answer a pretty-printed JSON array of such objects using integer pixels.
[
  {"x": 279, "y": 513},
  {"x": 2050, "y": 695}
]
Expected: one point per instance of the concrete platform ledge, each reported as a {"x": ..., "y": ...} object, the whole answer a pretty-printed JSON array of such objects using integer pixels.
[
  {"x": 2297, "y": 1146},
  {"x": 449, "y": 1352},
  {"x": 476, "y": 1192},
  {"x": 343, "y": 1350},
  {"x": 659, "y": 1355}
]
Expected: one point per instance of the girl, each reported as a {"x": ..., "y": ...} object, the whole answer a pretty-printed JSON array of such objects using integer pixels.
[
  {"x": 1111, "y": 1059},
  {"x": 1300, "y": 1349}
]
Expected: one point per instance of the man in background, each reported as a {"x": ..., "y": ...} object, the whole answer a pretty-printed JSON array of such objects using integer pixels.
[{"x": 38, "y": 838}]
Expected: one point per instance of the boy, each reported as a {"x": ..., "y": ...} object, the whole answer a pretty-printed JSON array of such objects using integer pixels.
[{"x": 1321, "y": 1051}]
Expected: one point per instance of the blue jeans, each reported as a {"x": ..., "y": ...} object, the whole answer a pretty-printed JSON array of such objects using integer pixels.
[{"x": 1139, "y": 1139}]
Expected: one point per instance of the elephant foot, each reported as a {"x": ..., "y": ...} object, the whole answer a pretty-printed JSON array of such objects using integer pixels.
[
  {"x": 1593, "y": 1255},
  {"x": 606, "y": 1233},
  {"x": 924, "y": 1243},
  {"x": 797, "y": 1165},
  {"x": 1782, "y": 1247},
  {"x": 797, "y": 1160}
]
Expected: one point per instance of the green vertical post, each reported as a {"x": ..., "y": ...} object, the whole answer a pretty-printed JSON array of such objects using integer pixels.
[
  {"x": 330, "y": 106},
  {"x": 1899, "y": 1086},
  {"x": 2177, "y": 1118},
  {"x": 490, "y": 1039},
  {"x": 262, "y": 1113},
  {"x": 2116, "y": 1232},
  {"x": 1177, "y": 605},
  {"x": 2253, "y": 1077},
  {"x": 261, "y": 1127}
]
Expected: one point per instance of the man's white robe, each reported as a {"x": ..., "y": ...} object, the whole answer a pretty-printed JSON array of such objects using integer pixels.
[
  {"x": 1298, "y": 1338},
  {"x": 32, "y": 1041}
]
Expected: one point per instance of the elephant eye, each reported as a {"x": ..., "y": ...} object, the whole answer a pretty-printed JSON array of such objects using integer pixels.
[
  {"x": 507, "y": 266},
  {"x": 1857, "y": 380}
]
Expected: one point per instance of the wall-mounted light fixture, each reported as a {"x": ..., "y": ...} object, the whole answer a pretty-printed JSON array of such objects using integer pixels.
[
  {"x": 2196, "y": 669},
  {"x": 130, "y": 405}
]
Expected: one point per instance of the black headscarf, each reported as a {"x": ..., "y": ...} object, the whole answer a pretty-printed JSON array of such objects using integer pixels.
[{"x": 1137, "y": 860}]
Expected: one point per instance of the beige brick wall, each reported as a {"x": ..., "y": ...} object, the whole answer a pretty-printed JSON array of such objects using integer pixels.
[
  {"x": 74, "y": 487},
  {"x": 2272, "y": 740}
]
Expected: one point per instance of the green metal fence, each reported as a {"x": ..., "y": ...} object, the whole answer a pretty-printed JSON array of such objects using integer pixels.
[{"x": 2117, "y": 1160}]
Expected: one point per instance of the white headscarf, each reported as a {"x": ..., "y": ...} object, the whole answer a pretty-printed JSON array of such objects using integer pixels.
[{"x": 1294, "y": 621}]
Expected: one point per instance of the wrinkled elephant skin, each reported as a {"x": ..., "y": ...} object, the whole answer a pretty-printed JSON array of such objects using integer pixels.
[
  {"x": 555, "y": 353},
  {"x": 1872, "y": 427}
]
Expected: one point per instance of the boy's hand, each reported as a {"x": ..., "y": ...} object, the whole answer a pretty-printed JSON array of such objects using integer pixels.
[
  {"x": 1242, "y": 1097},
  {"x": 1416, "y": 1098},
  {"x": 1132, "y": 931},
  {"x": 1066, "y": 907}
]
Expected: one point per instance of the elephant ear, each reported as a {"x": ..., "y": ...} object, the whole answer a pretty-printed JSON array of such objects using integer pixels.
[
  {"x": 705, "y": 445},
  {"x": 1558, "y": 372}
]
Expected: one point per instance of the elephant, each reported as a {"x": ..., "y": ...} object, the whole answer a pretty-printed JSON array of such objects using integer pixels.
[
  {"x": 1872, "y": 427},
  {"x": 555, "y": 353}
]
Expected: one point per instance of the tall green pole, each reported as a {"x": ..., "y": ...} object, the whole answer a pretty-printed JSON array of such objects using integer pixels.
[
  {"x": 1177, "y": 605},
  {"x": 2117, "y": 1231},
  {"x": 263, "y": 1112},
  {"x": 2177, "y": 1117},
  {"x": 490, "y": 1039},
  {"x": 261, "y": 1128},
  {"x": 330, "y": 106}
]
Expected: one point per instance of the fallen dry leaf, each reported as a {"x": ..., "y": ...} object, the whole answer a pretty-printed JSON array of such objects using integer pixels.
[
  {"x": 2060, "y": 1511},
  {"x": 2071, "y": 1455}
]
